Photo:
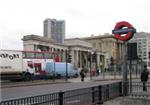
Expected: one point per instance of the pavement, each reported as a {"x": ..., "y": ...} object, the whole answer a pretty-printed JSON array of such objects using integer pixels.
[
  {"x": 36, "y": 90},
  {"x": 100, "y": 78},
  {"x": 57, "y": 85},
  {"x": 70, "y": 80},
  {"x": 31, "y": 83}
]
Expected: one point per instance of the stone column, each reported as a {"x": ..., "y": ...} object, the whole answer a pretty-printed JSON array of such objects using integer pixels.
[
  {"x": 81, "y": 59},
  {"x": 62, "y": 55},
  {"x": 86, "y": 59},
  {"x": 74, "y": 62},
  {"x": 72, "y": 56},
  {"x": 52, "y": 53},
  {"x": 98, "y": 60},
  {"x": 77, "y": 59}
]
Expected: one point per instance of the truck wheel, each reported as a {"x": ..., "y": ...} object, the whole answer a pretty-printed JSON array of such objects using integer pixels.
[
  {"x": 58, "y": 76},
  {"x": 27, "y": 77}
]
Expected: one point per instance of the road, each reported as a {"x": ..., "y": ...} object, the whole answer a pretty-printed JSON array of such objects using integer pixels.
[{"x": 27, "y": 91}]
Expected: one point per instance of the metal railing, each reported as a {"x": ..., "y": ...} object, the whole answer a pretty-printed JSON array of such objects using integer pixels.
[
  {"x": 85, "y": 96},
  {"x": 112, "y": 75},
  {"x": 137, "y": 89}
]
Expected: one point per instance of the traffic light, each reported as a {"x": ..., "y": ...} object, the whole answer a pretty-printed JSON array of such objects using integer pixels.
[
  {"x": 149, "y": 55},
  {"x": 89, "y": 57},
  {"x": 69, "y": 58}
]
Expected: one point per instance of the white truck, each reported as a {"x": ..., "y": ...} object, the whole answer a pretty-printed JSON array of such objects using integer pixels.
[{"x": 13, "y": 67}]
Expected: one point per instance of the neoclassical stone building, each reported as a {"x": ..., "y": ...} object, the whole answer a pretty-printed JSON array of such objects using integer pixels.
[
  {"x": 108, "y": 47},
  {"x": 105, "y": 46}
]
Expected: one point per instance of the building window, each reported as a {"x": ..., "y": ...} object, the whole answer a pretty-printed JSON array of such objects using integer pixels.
[
  {"x": 39, "y": 55},
  {"x": 30, "y": 55}
]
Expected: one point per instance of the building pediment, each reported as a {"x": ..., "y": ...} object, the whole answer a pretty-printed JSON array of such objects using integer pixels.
[
  {"x": 76, "y": 42},
  {"x": 37, "y": 38}
]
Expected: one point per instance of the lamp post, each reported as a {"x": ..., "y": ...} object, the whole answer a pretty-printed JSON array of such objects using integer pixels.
[
  {"x": 96, "y": 62},
  {"x": 124, "y": 35},
  {"x": 91, "y": 62},
  {"x": 90, "y": 56},
  {"x": 93, "y": 59},
  {"x": 54, "y": 66},
  {"x": 124, "y": 67},
  {"x": 66, "y": 65}
]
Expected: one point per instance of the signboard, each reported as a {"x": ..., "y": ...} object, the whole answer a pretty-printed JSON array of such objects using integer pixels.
[{"x": 124, "y": 31}]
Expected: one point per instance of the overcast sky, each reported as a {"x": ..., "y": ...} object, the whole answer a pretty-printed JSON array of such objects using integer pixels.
[{"x": 83, "y": 17}]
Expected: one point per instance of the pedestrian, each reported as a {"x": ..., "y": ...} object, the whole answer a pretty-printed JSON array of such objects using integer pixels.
[
  {"x": 105, "y": 69},
  {"x": 82, "y": 74},
  {"x": 97, "y": 72},
  {"x": 144, "y": 77}
]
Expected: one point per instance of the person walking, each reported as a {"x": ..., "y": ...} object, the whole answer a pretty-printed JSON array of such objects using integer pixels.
[
  {"x": 82, "y": 74},
  {"x": 144, "y": 77},
  {"x": 97, "y": 72}
]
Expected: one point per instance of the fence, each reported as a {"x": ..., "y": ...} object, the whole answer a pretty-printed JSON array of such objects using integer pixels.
[
  {"x": 136, "y": 89},
  {"x": 113, "y": 75},
  {"x": 85, "y": 96}
]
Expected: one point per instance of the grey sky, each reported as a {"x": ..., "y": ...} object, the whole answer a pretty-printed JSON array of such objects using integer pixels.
[{"x": 83, "y": 17}]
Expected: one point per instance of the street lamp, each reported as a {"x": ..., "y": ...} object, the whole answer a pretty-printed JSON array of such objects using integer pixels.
[
  {"x": 93, "y": 59},
  {"x": 66, "y": 65},
  {"x": 54, "y": 55},
  {"x": 90, "y": 61}
]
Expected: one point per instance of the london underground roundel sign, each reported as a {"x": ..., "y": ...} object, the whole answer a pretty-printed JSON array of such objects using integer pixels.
[{"x": 124, "y": 31}]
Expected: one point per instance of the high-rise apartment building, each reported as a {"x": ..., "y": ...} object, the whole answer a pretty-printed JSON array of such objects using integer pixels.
[
  {"x": 54, "y": 29},
  {"x": 143, "y": 46}
]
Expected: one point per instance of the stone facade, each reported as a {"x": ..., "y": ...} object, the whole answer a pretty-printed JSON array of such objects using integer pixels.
[
  {"x": 105, "y": 46},
  {"x": 78, "y": 49}
]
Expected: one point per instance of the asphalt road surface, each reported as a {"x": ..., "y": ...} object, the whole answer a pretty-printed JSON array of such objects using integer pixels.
[{"x": 27, "y": 91}]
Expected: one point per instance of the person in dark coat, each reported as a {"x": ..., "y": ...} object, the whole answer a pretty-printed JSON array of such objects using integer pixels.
[
  {"x": 144, "y": 77},
  {"x": 97, "y": 72},
  {"x": 82, "y": 74}
]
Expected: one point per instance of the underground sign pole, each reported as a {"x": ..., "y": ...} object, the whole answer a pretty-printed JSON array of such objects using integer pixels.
[{"x": 124, "y": 31}]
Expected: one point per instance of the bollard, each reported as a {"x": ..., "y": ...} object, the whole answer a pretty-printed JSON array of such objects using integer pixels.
[
  {"x": 120, "y": 88},
  {"x": 107, "y": 92},
  {"x": 61, "y": 97},
  {"x": 100, "y": 94},
  {"x": 93, "y": 97}
]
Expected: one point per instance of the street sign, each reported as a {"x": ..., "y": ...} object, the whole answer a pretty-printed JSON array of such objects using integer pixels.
[{"x": 124, "y": 31}]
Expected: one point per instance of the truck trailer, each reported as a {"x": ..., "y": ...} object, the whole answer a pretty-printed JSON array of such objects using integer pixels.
[{"x": 23, "y": 65}]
